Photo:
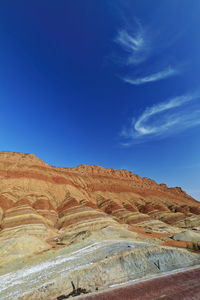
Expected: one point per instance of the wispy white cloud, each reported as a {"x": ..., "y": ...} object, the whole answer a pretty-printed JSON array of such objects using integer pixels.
[
  {"x": 135, "y": 43},
  {"x": 165, "y": 73},
  {"x": 165, "y": 118},
  {"x": 138, "y": 44}
]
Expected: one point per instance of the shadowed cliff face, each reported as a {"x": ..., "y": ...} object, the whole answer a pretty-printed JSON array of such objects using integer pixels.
[{"x": 45, "y": 209}]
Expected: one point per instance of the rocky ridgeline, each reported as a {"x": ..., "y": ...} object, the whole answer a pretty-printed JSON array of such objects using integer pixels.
[{"x": 91, "y": 218}]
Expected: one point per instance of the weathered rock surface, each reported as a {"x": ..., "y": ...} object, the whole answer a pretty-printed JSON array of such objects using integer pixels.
[
  {"x": 188, "y": 235},
  {"x": 88, "y": 224}
]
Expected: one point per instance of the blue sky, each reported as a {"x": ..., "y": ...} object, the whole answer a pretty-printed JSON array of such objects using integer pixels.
[{"x": 111, "y": 83}]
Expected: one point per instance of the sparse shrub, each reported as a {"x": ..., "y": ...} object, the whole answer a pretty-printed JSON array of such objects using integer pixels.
[{"x": 195, "y": 246}]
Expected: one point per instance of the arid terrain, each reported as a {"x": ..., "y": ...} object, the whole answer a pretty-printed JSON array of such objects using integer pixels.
[
  {"x": 90, "y": 226},
  {"x": 182, "y": 285}
]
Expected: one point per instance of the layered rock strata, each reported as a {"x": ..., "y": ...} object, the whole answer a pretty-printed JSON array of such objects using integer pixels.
[{"x": 88, "y": 224}]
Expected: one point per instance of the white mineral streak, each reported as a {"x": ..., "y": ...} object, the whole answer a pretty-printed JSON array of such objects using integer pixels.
[{"x": 11, "y": 283}]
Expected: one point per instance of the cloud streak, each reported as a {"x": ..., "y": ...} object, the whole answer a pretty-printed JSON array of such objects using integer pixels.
[
  {"x": 135, "y": 44},
  {"x": 168, "y": 72},
  {"x": 138, "y": 44},
  {"x": 165, "y": 118}
]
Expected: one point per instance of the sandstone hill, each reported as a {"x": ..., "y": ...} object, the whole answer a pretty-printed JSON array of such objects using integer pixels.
[{"x": 59, "y": 224}]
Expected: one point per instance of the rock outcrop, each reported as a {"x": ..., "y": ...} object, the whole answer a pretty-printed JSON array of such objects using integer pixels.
[{"x": 86, "y": 223}]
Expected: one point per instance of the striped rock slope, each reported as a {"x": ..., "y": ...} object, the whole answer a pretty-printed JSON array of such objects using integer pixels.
[{"x": 85, "y": 223}]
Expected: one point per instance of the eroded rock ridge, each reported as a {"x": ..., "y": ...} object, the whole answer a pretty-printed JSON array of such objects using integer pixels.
[{"x": 74, "y": 220}]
